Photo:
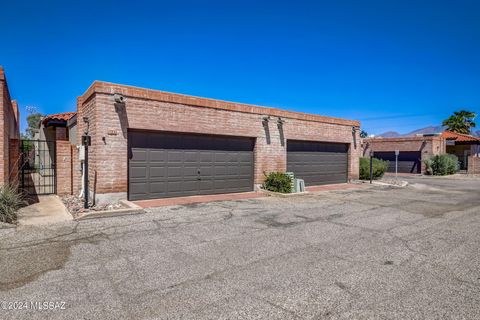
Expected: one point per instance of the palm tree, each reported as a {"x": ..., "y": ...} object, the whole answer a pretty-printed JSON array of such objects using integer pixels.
[{"x": 461, "y": 122}]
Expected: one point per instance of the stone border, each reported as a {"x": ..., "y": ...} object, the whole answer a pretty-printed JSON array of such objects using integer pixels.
[
  {"x": 131, "y": 209},
  {"x": 282, "y": 195}
]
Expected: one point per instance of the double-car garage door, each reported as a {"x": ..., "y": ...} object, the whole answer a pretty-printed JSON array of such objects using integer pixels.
[
  {"x": 318, "y": 162},
  {"x": 163, "y": 165},
  {"x": 408, "y": 161}
]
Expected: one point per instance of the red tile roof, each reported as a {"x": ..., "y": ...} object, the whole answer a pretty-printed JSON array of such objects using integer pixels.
[
  {"x": 449, "y": 135},
  {"x": 59, "y": 117}
]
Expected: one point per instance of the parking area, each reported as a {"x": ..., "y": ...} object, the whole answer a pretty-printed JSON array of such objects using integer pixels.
[{"x": 373, "y": 252}]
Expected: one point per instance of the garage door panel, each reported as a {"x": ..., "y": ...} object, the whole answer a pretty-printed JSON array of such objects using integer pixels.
[
  {"x": 138, "y": 172},
  {"x": 408, "y": 161},
  {"x": 168, "y": 165},
  {"x": 157, "y": 155},
  {"x": 157, "y": 172},
  {"x": 138, "y": 155},
  {"x": 318, "y": 162}
]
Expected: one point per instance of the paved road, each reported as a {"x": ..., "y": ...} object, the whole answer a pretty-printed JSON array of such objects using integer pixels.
[{"x": 370, "y": 253}]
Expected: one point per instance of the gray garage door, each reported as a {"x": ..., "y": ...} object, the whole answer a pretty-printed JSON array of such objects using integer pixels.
[
  {"x": 408, "y": 161},
  {"x": 163, "y": 165},
  {"x": 318, "y": 162}
]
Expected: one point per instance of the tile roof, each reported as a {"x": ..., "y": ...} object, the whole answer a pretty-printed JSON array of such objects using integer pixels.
[
  {"x": 449, "y": 135},
  {"x": 59, "y": 117}
]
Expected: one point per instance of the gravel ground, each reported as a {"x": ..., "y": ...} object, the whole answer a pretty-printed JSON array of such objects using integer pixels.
[
  {"x": 375, "y": 252},
  {"x": 75, "y": 205}
]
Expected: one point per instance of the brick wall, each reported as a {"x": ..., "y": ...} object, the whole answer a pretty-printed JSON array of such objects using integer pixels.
[
  {"x": 14, "y": 158},
  {"x": 63, "y": 166},
  {"x": 473, "y": 165},
  {"x": 428, "y": 146},
  {"x": 155, "y": 110},
  {"x": 9, "y": 129}
]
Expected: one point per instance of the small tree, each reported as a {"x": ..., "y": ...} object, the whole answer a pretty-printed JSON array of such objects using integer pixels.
[
  {"x": 461, "y": 122},
  {"x": 379, "y": 168},
  {"x": 33, "y": 121},
  {"x": 363, "y": 134}
]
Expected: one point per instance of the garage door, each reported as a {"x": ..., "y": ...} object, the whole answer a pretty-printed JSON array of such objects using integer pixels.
[
  {"x": 318, "y": 162},
  {"x": 408, "y": 161},
  {"x": 163, "y": 165}
]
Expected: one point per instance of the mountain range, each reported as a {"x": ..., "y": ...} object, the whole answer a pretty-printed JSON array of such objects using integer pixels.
[{"x": 426, "y": 130}]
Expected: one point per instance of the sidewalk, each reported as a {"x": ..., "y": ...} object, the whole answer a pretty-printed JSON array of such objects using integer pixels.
[{"x": 49, "y": 209}]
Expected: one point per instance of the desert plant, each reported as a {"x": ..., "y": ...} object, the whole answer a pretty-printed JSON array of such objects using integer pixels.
[
  {"x": 442, "y": 164},
  {"x": 10, "y": 201},
  {"x": 278, "y": 182},
  {"x": 379, "y": 168}
]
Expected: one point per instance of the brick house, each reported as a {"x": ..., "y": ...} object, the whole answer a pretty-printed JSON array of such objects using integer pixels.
[
  {"x": 416, "y": 149},
  {"x": 413, "y": 151},
  {"x": 155, "y": 144},
  {"x": 466, "y": 148},
  {"x": 9, "y": 134}
]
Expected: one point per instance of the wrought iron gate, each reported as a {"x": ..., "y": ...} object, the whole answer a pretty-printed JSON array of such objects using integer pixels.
[{"x": 37, "y": 167}]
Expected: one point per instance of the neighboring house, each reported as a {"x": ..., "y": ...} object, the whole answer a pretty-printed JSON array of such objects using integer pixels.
[
  {"x": 157, "y": 144},
  {"x": 48, "y": 126},
  {"x": 413, "y": 151},
  {"x": 466, "y": 148},
  {"x": 9, "y": 134}
]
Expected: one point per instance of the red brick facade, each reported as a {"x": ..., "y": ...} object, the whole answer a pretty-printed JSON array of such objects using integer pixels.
[
  {"x": 63, "y": 161},
  {"x": 474, "y": 164},
  {"x": 155, "y": 110},
  {"x": 9, "y": 130},
  {"x": 428, "y": 146}
]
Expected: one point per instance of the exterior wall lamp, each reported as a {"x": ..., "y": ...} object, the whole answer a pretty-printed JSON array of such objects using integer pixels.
[{"x": 119, "y": 101}]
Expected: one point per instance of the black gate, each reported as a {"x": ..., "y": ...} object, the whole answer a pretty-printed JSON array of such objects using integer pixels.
[{"x": 37, "y": 167}]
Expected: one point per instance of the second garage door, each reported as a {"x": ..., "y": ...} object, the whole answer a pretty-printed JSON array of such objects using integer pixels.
[
  {"x": 408, "y": 161},
  {"x": 163, "y": 165},
  {"x": 318, "y": 162}
]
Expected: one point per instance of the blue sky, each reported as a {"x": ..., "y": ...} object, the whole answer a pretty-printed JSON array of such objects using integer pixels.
[{"x": 394, "y": 65}]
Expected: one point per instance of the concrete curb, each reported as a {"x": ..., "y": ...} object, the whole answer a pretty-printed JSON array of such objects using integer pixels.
[
  {"x": 402, "y": 184},
  {"x": 282, "y": 195},
  {"x": 131, "y": 209},
  {"x": 4, "y": 225}
]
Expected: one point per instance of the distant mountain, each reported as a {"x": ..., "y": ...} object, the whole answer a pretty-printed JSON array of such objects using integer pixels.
[
  {"x": 390, "y": 134},
  {"x": 426, "y": 130}
]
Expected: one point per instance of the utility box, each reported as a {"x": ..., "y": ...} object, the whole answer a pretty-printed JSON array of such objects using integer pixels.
[
  {"x": 292, "y": 179},
  {"x": 81, "y": 153},
  {"x": 299, "y": 185}
]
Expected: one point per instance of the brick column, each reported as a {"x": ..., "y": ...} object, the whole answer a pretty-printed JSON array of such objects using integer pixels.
[
  {"x": 64, "y": 167},
  {"x": 473, "y": 165}
]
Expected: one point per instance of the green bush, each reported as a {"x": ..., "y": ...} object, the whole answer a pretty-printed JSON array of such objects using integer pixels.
[
  {"x": 10, "y": 201},
  {"x": 379, "y": 168},
  {"x": 277, "y": 182},
  {"x": 442, "y": 164}
]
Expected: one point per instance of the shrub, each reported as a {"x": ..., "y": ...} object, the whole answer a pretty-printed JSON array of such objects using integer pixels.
[
  {"x": 442, "y": 164},
  {"x": 278, "y": 182},
  {"x": 379, "y": 168},
  {"x": 10, "y": 201}
]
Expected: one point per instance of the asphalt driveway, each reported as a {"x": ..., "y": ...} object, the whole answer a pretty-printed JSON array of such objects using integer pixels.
[{"x": 369, "y": 253}]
